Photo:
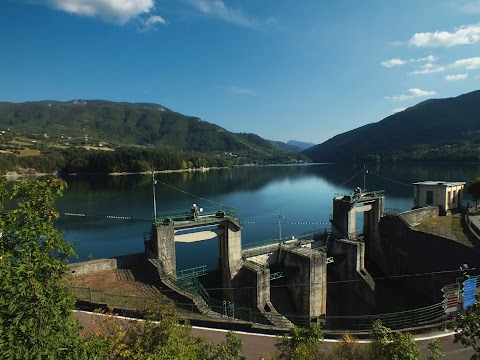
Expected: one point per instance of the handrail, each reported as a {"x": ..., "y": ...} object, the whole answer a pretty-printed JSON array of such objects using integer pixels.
[
  {"x": 399, "y": 320},
  {"x": 207, "y": 215},
  {"x": 192, "y": 272}
]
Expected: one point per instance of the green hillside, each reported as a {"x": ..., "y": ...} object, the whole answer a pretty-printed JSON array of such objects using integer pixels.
[
  {"x": 120, "y": 124},
  {"x": 434, "y": 130},
  {"x": 97, "y": 136}
]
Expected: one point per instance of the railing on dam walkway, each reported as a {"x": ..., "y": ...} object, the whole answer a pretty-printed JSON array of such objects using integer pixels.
[
  {"x": 264, "y": 246},
  {"x": 429, "y": 315},
  {"x": 190, "y": 217}
]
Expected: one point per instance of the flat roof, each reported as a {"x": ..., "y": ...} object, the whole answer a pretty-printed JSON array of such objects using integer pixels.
[{"x": 436, "y": 183}]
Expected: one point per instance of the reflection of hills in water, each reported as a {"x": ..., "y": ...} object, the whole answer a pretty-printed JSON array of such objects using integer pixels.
[
  {"x": 395, "y": 179},
  {"x": 301, "y": 194}
]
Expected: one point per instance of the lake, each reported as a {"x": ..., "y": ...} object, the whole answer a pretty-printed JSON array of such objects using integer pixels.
[{"x": 286, "y": 199}]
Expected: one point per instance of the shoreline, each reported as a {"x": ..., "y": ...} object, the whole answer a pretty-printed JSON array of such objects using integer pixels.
[{"x": 13, "y": 175}]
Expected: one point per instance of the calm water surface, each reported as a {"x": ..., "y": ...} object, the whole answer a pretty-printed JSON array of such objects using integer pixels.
[{"x": 301, "y": 194}]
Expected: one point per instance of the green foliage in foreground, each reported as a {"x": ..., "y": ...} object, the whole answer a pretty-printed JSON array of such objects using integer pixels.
[
  {"x": 161, "y": 336},
  {"x": 393, "y": 346},
  {"x": 35, "y": 305},
  {"x": 467, "y": 328},
  {"x": 473, "y": 188},
  {"x": 306, "y": 344},
  {"x": 302, "y": 343}
]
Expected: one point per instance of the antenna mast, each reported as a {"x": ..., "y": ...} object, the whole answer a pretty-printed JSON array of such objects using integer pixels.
[
  {"x": 365, "y": 172},
  {"x": 154, "y": 199}
]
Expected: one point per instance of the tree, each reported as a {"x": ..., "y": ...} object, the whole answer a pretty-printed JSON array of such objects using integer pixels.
[
  {"x": 392, "y": 346},
  {"x": 435, "y": 350},
  {"x": 467, "y": 329},
  {"x": 302, "y": 344},
  {"x": 473, "y": 188},
  {"x": 35, "y": 304},
  {"x": 162, "y": 335},
  {"x": 231, "y": 349},
  {"x": 347, "y": 349}
]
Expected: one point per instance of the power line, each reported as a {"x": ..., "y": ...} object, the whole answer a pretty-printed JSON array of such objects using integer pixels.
[
  {"x": 211, "y": 201},
  {"x": 341, "y": 281},
  {"x": 106, "y": 197},
  {"x": 391, "y": 180},
  {"x": 354, "y": 176}
]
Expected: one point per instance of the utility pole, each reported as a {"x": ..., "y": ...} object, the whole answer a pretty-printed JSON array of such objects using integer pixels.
[
  {"x": 280, "y": 217},
  {"x": 154, "y": 199},
  {"x": 365, "y": 172}
]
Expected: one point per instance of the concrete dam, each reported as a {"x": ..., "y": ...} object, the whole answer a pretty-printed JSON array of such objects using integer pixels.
[{"x": 311, "y": 275}]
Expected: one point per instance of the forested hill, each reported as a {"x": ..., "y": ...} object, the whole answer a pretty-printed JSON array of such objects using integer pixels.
[
  {"x": 434, "y": 130},
  {"x": 119, "y": 124}
]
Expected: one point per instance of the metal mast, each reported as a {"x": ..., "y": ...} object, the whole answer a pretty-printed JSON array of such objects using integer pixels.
[{"x": 154, "y": 199}]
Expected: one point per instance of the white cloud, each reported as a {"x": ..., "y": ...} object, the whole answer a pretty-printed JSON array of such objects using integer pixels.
[
  {"x": 118, "y": 11},
  {"x": 393, "y": 62},
  {"x": 151, "y": 22},
  {"x": 429, "y": 58},
  {"x": 428, "y": 69},
  {"x": 399, "y": 109},
  {"x": 236, "y": 90},
  {"x": 456, "y": 77},
  {"x": 412, "y": 93},
  {"x": 271, "y": 20},
  {"x": 464, "y": 35},
  {"x": 218, "y": 9},
  {"x": 470, "y": 63}
]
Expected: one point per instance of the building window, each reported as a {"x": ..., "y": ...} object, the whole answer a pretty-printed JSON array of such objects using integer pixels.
[
  {"x": 454, "y": 193},
  {"x": 449, "y": 197},
  {"x": 429, "y": 197}
]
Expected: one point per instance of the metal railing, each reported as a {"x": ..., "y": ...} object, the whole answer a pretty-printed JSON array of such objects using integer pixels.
[
  {"x": 429, "y": 315},
  {"x": 400, "y": 320},
  {"x": 208, "y": 215},
  {"x": 365, "y": 195},
  {"x": 192, "y": 272},
  {"x": 265, "y": 246}
]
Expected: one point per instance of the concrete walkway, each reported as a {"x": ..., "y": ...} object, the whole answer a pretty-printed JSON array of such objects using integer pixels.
[
  {"x": 474, "y": 217},
  {"x": 257, "y": 346}
]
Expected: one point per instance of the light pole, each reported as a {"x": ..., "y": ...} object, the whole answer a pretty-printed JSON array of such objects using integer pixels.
[
  {"x": 154, "y": 199},
  {"x": 280, "y": 217}
]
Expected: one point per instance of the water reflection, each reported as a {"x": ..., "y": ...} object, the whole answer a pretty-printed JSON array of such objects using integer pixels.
[{"x": 301, "y": 194}]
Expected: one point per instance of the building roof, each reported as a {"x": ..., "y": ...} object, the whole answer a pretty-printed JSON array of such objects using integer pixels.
[{"x": 440, "y": 183}]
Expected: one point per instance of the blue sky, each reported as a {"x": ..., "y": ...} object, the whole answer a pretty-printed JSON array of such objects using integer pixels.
[{"x": 304, "y": 70}]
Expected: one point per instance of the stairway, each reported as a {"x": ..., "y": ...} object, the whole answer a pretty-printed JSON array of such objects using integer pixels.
[{"x": 276, "y": 318}]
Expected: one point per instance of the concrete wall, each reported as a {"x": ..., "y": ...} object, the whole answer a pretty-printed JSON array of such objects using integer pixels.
[
  {"x": 164, "y": 247},
  {"x": 230, "y": 255},
  {"x": 306, "y": 278},
  {"x": 418, "y": 215},
  {"x": 372, "y": 218},
  {"x": 92, "y": 266},
  {"x": 413, "y": 252},
  {"x": 349, "y": 269},
  {"x": 252, "y": 286},
  {"x": 129, "y": 261},
  {"x": 344, "y": 216}
]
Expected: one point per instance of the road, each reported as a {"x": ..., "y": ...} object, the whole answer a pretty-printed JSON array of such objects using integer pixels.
[{"x": 258, "y": 345}]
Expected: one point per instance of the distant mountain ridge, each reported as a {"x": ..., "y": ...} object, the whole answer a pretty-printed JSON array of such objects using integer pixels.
[
  {"x": 433, "y": 130},
  {"x": 292, "y": 145},
  {"x": 122, "y": 123},
  {"x": 302, "y": 145}
]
